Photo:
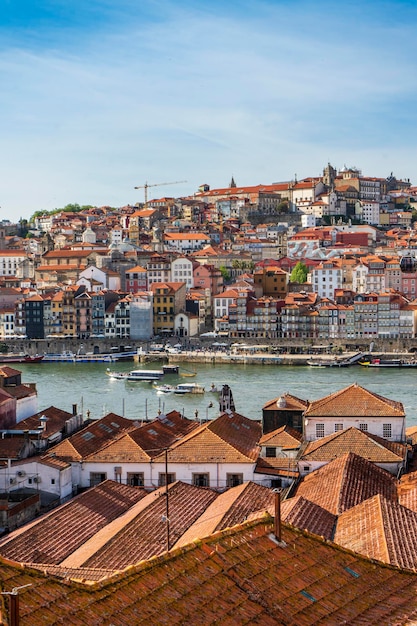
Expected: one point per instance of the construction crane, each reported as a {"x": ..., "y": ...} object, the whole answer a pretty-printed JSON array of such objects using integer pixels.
[{"x": 146, "y": 186}]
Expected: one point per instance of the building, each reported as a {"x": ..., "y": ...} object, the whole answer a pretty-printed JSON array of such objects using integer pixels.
[
  {"x": 355, "y": 406},
  {"x": 168, "y": 300}
]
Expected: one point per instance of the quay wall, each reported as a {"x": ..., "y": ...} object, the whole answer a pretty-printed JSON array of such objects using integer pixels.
[{"x": 200, "y": 350}]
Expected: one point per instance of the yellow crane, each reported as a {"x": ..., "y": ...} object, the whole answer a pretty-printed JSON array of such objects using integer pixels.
[{"x": 146, "y": 187}]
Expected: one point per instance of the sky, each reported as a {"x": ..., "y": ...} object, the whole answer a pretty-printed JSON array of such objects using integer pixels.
[{"x": 101, "y": 96}]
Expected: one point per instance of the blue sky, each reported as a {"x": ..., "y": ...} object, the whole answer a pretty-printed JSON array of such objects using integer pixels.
[{"x": 100, "y": 96}]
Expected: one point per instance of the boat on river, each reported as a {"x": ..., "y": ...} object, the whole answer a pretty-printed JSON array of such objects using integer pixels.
[
  {"x": 20, "y": 358},
  {"x": 69, "y": 357},
  {"x": 184, "y": 388},
  {"x": 335, "y": 362},
  {"x": 164, "y": 388},
  {"x": 377, "y": 362},
  {"x": 144, "y": 375},
  {"x": 116, "y": 375}
]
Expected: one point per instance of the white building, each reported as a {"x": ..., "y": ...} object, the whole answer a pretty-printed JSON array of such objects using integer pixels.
[
  {"x": 357, "y": 407},
  {"x": 182, "y": 272},
  {"x": 325, "y": 278}
]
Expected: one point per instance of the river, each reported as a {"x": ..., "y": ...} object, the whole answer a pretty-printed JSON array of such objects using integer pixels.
[{"x": 88, "y": 386}]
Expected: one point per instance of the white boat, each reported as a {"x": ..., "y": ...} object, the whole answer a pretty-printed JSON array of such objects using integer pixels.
[
  {"x": 116, "y": 375},
  {"x": 164, "y": 388},
  {"x": 184, "y": 388},
  {"x": 144, "y": 375}
]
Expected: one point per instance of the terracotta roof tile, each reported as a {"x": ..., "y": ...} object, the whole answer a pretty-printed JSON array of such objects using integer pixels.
[
  {"x": 371, "y": 447},
  {"x": 349, "y": 480},
  {"x": 228, "y": 509},
  {"x": 284, "y": 437},
  {"x": 357, "y": 401},
  {"x": 307, "y": 515},
  {"x": 380, "y": 529},
  {"x": 277, "y": 466},
  {"x": 228, "y": 439},
  {"x": 240, "y": 576},
  {"x": 146, "y": 535},
  {"x": 51, "y": 538},
  {"x": 93, "y": 437}
]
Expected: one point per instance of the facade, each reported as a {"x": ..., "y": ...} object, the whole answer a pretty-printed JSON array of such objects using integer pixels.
[{"x": 355, "y": 407}]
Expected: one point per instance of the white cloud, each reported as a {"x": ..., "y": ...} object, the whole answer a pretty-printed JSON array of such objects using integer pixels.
[{"x": 199, "y": 96}]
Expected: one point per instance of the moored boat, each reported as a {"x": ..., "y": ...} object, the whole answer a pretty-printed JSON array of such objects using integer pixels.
[
  {"x": 164, "y": 388},
  {"x": 116, "y": 375},
  {"x": 377, "y": 362},
  {"x": 144, "y": 375},
  {"x": 20, "y": 358},
  {"x": 184, "y": 388}
]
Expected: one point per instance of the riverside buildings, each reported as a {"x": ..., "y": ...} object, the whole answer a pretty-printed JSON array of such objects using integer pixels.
[{"x": 238, "y": 247}]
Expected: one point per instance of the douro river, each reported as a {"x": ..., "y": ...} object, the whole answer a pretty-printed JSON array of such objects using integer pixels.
[{"x": 88, "y": 386}]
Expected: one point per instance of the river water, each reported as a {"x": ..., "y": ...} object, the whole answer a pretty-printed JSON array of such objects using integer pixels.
[{"x": 88, "y": 386}]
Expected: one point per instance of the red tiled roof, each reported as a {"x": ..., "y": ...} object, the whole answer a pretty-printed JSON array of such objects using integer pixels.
[
  {"x": 284, "y": 437},
  {"x": 239, "y": 576},
  {"x": 228, "y": 509},
  {"x": 354, "y": 400},
  {"x": 380, "y": 529},
  {"x": 92, "y": 438},
  {"x": 145, "y": 535},
  {"x": 371, "y": 447},
  {"x": 307, "y": 515},
  {"x": 51, "y": 538},
  {"x": 289, "y": 403},
  {"x": 349, "y": 480}
]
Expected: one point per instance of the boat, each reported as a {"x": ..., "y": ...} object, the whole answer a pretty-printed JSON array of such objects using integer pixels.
[
  {"x": 170, "y": 369},
  {"x": 164, "y": 388},
  {"x": 69, "y": 357},
  {"x": 188, "y": 374},
  {"x": 116, "y": 375},
  {"x": 328, "y": 363},
  {"x": 184, "y": 388},
  {"x": 20, "y": 358},
  {"x": 377, "y": 362},
  {"x": 144, "y": 375}
]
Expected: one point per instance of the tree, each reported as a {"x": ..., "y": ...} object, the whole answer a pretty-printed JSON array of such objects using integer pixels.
[
  {"x": 299, "y": 273},
  {"x": 225, "y": 273}
]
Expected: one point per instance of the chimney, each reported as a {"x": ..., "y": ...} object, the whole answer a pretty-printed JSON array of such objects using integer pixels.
[{"x": 277, "y": 518}]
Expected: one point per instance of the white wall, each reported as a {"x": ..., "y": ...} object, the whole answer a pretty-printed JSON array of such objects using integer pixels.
[
  {"x": 26, "y": 407},
  {"x": 375, "y": 426},
  {"x": 52, "y": 480}
]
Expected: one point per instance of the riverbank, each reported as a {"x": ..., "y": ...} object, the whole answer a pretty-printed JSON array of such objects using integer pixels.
[{"x": 287, "y": 359}]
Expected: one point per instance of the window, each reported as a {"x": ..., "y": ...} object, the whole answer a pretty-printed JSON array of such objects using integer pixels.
[
  {"x": 232, "y": 480},
  {"x": 96, "y": 478},
  {"x": 135, "y": 479},
  {"x": 201, "y": 480},
  {"x": 338, "y": 427},
  {"x": 276, "y": 483},
  {"x": 319, "y": 430},
  {"x": 162, "y": 481},
  {"x": 387, "y": 431},
  {"x": 52, "y": 481},
  {"x": 270, "y": 452},
  {"x": 306, "y": 468},
  {"x": 363, "y": 427}
]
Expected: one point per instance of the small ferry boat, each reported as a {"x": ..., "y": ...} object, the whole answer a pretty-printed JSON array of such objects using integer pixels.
[
  {"x": 164, "y": 388},
  {"x": 20, "y": 358},
  {"x": 144, "y": 375},
  {"x": 171, "y": 369},
  {"x": 184, "y": 388},
  {"x": 116, "y": 375},
  {"x": 377, "y": 362}
]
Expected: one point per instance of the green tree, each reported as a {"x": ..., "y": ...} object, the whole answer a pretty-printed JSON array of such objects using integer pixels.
[
  {"x": 225, "y": 273},
  {"x": 299, "y": 273}
]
